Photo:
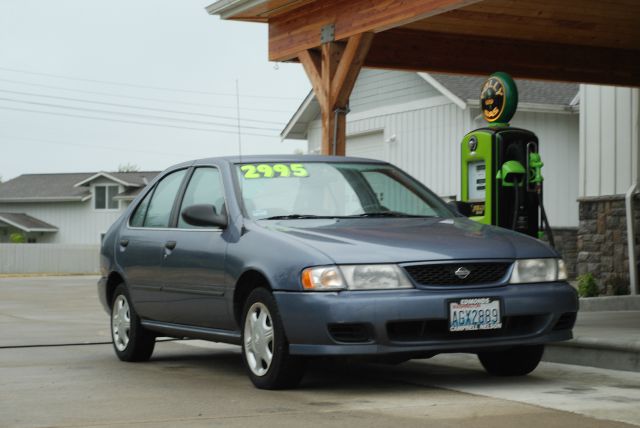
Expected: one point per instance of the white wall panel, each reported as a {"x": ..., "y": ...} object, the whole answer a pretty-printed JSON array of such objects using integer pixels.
[
  {"x": 607, "y": 156},
  {"x": 608, "y": 139},
  {"x": 49, "y": 258},
  {"x": 374, "y": 87},
  {"x": 78, "y": 222},
  {"x": 370, "y": 146}
]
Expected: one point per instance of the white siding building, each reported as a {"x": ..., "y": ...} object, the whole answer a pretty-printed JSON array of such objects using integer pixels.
[
  {"x": 417, "y": 120},
  {"x": 66, "y": 208}
]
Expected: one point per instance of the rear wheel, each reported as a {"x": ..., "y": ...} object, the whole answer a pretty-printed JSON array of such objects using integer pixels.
[
  {"x": 131, "y": 341},
  {"x": 265, "y": 349},
  {"x": 516, "y": 361}
]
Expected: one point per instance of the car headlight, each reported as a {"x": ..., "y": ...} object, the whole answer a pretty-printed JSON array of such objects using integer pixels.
[
  {"x": 375, "y": 277},
  {"x": 355, "y": 277},
  {"x": 323, "y": 278},
  {"x": 538, "y": 270}
]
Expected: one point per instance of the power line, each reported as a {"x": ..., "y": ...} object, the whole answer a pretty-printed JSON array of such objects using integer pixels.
[
  {"x": 133, "y": 122},
  {"x": 144, "y": 116},
  {"x": 160, "y": 100},
  {"x": 32, "y": 94},
  {"x": 132, "y": 85},
  {"x": 85, "y": 146}
]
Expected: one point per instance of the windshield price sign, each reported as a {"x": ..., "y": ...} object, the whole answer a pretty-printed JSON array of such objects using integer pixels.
[
  {"x": 266, "y": 170},
  {"x": 475, "y": 314}
]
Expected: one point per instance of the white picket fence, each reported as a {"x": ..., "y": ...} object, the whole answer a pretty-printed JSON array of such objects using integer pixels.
[{"x": 49, "y": 258}]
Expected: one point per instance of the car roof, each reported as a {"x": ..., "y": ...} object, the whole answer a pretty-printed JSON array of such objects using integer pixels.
[{"x": 286, "y": 158}]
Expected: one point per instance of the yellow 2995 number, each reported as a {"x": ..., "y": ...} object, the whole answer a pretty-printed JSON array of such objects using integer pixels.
[{"x": 265, "y": 170}]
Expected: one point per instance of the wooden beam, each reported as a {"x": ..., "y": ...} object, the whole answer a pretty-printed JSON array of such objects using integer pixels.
[
  {"x": 349, "y": 68},
  {"x": 299, "y": 29},
  {"x": 612, "y": 24},
  {"x": 311, "y": 62},
  {"x": 414, "y": 50},
  {"x": 330, "y": 57},
  {"x": 333, "y": 74}
]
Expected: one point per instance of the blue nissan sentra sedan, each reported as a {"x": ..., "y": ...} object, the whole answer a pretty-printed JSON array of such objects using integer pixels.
[{"x": 292, "y": 257}]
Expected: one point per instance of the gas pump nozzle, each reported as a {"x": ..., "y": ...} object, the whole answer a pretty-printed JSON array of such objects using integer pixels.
[{"x": 513, "y": 174}]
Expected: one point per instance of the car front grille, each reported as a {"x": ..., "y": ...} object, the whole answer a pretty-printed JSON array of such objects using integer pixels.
[{"x": 445, "y": 274}]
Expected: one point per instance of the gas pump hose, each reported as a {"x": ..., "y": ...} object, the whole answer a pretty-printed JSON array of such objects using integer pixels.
[
  {"x": 516, "y": 204},
  {"x": 547, "y": 227}
]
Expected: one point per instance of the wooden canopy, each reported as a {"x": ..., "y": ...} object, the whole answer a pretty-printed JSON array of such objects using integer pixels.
[{"x": 591, "y": 41}]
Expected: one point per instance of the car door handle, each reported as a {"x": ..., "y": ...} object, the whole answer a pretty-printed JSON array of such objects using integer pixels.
[
  {"x": 170, "y": 245},
  {"x": 124, "y": 242}
]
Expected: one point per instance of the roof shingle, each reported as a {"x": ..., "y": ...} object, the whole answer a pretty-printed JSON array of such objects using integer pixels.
[
  {"x": 529, "y": 91},
  {"x": 56, "y": 187},
  {"x": 26, "y": 223}
]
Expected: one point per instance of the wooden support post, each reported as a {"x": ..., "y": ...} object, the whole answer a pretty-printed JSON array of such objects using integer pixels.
[{"x": 333, "y": 74}]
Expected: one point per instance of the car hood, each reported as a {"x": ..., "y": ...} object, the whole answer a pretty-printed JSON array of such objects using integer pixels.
[{"x": 398, "y": 240}]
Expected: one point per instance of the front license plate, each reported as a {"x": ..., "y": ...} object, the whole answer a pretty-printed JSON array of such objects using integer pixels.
[{"x": 481, "y": 313}]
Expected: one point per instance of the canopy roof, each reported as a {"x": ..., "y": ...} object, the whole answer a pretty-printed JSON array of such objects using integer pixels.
[{"x": 573, "y": 40}]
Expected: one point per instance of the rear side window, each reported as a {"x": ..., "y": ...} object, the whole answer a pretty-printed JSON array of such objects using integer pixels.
[
  {"x": 157, "y": 212},
  {"x": 137, "y": 219},
  {"x": 205, "y": 187}
]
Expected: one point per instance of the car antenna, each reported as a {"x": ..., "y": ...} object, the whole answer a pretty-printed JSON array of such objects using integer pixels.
[{"x": 239, "y": 127}]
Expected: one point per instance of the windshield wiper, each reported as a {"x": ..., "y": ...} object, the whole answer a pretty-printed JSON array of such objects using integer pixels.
[
  {"x": 371, "y": 214},
  {"x": 389, "y": 214},
  {"x": 295, "y": 217}
]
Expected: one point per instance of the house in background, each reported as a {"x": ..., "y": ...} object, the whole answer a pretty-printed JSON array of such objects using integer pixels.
[
  {"x": 417, "y": 120},
  {"x": 74, "y": 208}
]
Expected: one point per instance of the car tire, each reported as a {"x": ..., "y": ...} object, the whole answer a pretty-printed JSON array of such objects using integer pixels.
[
  {"x": 516, "y": 361},
  {"x": 131, "y": 341},
  {"x": 265, "y": 350}
]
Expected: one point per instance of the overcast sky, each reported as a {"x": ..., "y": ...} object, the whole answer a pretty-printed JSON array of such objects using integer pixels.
[{"x": 142, "y": 61}]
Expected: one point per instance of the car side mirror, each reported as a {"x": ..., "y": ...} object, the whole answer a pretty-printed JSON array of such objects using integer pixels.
[
  {"x": 462, "y": 208},
  {"x": 204, "y": 215}
]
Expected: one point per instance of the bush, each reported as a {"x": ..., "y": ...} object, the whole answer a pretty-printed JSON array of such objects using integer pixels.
[
  {"x": 615, "y": 285},
  {"x": 17, "y": 238},
  {"x": 587, "y": 286}
]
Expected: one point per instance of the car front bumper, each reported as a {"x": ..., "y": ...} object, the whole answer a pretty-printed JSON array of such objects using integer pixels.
[{"x": 416, "y": 321}]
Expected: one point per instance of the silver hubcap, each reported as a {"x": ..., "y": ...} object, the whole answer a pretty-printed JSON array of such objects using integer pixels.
[
  {"x": 258, "y": 339},
  {"x": 120, "y": 323}
]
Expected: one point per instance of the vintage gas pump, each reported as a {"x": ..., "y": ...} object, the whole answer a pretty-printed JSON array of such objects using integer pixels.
[{"x": 501, "y": 166}]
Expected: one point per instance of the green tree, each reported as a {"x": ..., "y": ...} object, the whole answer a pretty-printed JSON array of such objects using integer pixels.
[
  {"x": 128, "y": 167},
  {"x": 17, "y": 238}
]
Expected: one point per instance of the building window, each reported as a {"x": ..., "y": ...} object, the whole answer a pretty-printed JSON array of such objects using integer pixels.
[{"x": 104, "y": 198}]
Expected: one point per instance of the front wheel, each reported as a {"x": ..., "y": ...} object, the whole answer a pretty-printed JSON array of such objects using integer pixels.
[
  {"x": 264, "y": 346},
  {"x": 516, "y": 361},
  {"x": 131, "y": 341}
]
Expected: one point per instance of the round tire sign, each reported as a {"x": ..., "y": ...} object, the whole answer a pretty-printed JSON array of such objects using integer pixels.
[{"x": 499, "y": 98}]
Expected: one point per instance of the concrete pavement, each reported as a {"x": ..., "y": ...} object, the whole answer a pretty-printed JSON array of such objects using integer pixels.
[
  {"x": 605, "y": 339},
  {"x": 51, "y": 310},
  {"x": 197, "y": 384}
]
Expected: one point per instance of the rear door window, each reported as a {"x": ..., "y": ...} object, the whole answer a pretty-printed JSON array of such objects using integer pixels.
[{"x": 137, "y": 219}]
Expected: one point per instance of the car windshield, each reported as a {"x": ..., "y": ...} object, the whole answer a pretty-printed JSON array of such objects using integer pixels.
[{"x": 272, "y": 191}]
